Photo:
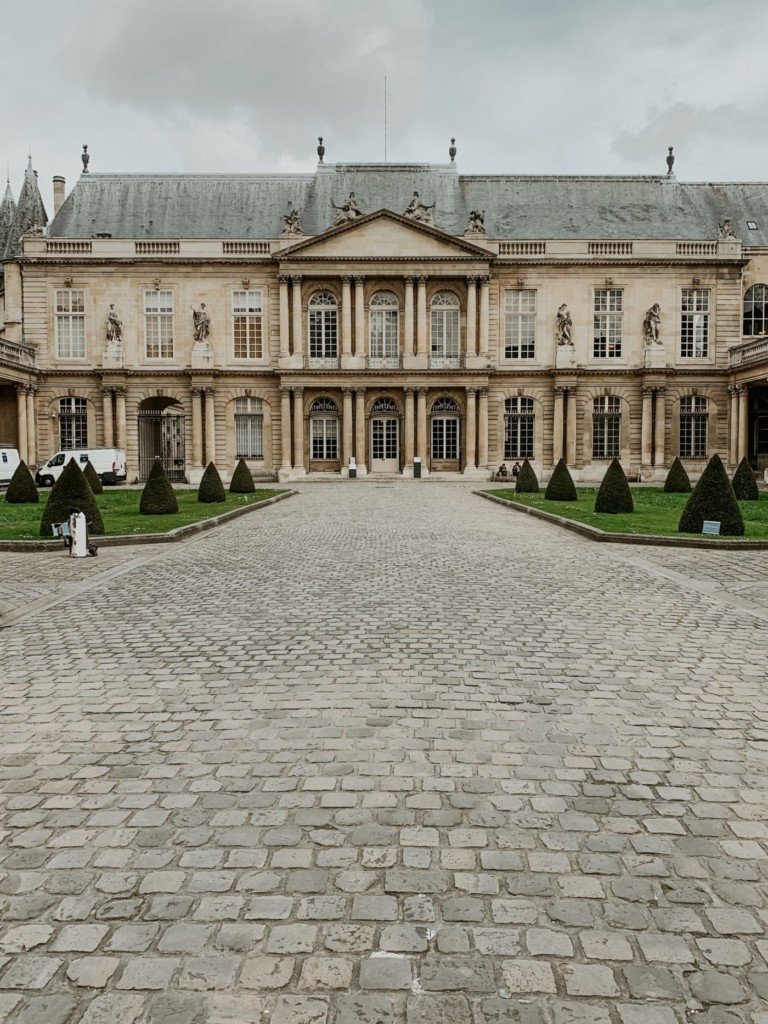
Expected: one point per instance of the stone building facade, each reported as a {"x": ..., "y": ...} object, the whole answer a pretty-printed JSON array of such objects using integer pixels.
[{"x": 385, "y": 313}]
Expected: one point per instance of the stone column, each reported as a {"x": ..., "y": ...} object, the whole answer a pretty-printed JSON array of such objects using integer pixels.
[
  {"x": 743, "y": 422},
  {"x": 360, "y": 458},
  {"x": 470, "y": 460},
  {"x": 108, "y": 417},
  {"x": 570, "y": 428},
  {"x": 482, "y": 428},
  {"x": 298, "y": 430},
  {"x": 21, "y": 421},
  {"x": 408, "y": 428},
  {"x": 421, "y": 318},
  {"x": 361, "y": 341},
  {"x": 408, "y": 318},
  {"x": 346, "y": 316},
  {"x": 646, "y": 427},
  {"x": 31, "y": 426},
  {"x": 285, "y": 427},
  {"x": 421, "y": 427},
  {"x": 485, "y": 316},
  {"x": 346, "y": 428},
  {"x": 471, "y": 316},
  {"x": 298, "y": 334},
  {"x": 557, "y": 426},
  {"x": 661, "y": 428},
  {"x": 197, "y": 428},
  {"x": 210, "y": 426},
  {"x": 285, "y": 318},
  {"x": 121, "y": 419},
  {"x": 733, "y": 425}
]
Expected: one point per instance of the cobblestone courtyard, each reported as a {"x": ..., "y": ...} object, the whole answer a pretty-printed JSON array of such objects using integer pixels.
[{"x": 383, "y": 753}]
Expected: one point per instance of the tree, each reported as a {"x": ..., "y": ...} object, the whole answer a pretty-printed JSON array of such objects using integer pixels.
[
  {"x": 677, "y": 481},
  {"x": 744, "y": 483},
  {"x": 93, "y": 478},
  {"x": 21, "y": 489},
  {"x": 526, "y": 482},
  {"x": 713, "y": 499},
  {"x": 561, "y": 486},
  {"x": 70, "y": 491},
  {"x": 242, "y": 481},
  {"x": 211, "y": 490},
  {"x": 614, "y": 495},
  {"x": 158, "y": 497}
]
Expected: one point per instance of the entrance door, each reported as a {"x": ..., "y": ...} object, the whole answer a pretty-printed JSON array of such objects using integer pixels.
[
  {"x": 161, "y": 436},
  {"x": 445, "y": 444},
  {"x": 385, "y": 444}
]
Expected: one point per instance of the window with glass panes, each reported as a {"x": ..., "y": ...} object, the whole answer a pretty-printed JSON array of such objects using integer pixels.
[
  {"x": 756, "y": 310},
  {"x": 73, "y": 423},
  {"x": 158, "y": 324},
  {"x": 518, "y": 428},
  {"x": 520, "y": 323},
  {"x": 249, "y": 428},
  {"x": 444, "y": 334},
  {"x": 246, "y": 324},
  {"x": 384, "y": 315},
  {"x": 694, "y": 323},
  {"x": 609, "y": 309},
  {"x": 323, "y": 326},
  {"x": 693, "y": 427},
  {"x": 70, "y": 323},
  {"x": 606, "y": 427},
  {"x": 324, "y": 429}
]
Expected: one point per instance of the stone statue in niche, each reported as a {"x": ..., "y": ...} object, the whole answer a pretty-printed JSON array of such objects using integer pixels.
[
  {"x": 564, "y": 326},
  {"x": 85, "y": 156},
  {"x": 201, "y": 323},
  {"x": 418, "y": 211},
  {"x": 476, "y": 223},
  {"x": 652, "y": 325},
  {"x": 114, "y": 325},
  {"x": 291, "y": 223},
  {"x": 725, "y": 231},
  {"x": 347, "y": 211}
]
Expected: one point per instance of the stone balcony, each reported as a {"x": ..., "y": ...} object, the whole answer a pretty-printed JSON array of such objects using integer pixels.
[
  {"x": 749, "y": 352},
  {"x": 14, "y": 353}
]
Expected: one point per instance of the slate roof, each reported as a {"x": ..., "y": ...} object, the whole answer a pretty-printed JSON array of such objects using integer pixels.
[
  {"x": 30, "y": 212},
  {"x": 7, "y": 214},
  {"x": 524, "y": 207}
]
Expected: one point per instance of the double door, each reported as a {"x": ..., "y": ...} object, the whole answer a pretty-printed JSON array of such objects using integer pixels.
[
  {"x": 385, "y": 444},
  {"x": 444, "y": 449}
]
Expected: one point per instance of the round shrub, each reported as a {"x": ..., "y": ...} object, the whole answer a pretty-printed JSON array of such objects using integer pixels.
[
  {"x": 561, "y": 486},
  {"x": 614, "y": 495},
  {"x": 93, "y": 478},
  {"x": 158, "y": 497},
  {"x": 527, "y": 482},
  {"x": 713, "y": 499},
  {"x": 21, "y": 489},
  {"x": 242, "y": 481},
  {"x": 211, "y": 490},
  {"x": 744, "y": 483},
  {"x": 677, "y": 481},
  {"x": 70, "y": 491}
]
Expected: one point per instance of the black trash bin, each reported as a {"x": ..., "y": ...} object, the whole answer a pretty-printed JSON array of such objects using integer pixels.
[{"x": 417, "y": 468}]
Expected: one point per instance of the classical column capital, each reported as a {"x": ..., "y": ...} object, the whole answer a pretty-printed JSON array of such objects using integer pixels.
[
  {"x": 21, "y": 389},
  {"x": 558, "y": 390},
  {"x": 409, "y": 279},
  {"x": 296, "y": 278},
  {"x": 30, "y": 389},
  {"x": 483, "y": 392},
  {"x": 422, "y": 392},
  {"x": 484, "y": 279},
  {"x": 359, "y": 391},
  {"x": 661, "y": 392},
  {"x": 471, "y": 279},
  {"x": 347, "y": 391},
  {"x": 409, "y": 390},
  {"x": 731, "y": 389},
  {"x": 470, "y": 390},
  {"x": 359, "y": 280},
  {"x": 297, "y": 392},
  {"x": 647, "y": 391},
  {"x": 422, "y": 279},
  {"x": 285, "y": 389},
  {"x": 346, "y": 278}
]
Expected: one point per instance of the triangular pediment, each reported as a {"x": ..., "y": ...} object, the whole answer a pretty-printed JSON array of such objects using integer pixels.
[{"x": 383, "y": 235}]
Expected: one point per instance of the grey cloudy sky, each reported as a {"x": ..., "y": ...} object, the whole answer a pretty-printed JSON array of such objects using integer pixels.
[{"x": 526, "y": 86}]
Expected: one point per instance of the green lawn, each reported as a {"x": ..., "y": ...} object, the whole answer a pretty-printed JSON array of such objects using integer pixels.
[
  {"x": 655, "y": 512},
  {"x": 120, "y": 509}
]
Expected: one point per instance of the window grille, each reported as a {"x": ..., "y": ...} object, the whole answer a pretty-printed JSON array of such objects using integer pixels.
[
  {"x": 70, "y": 323},
  {"x": 606, "y": 427},
  {"x": 444, "y": 335},
  {"x": 518, "y": 428},
  {"x": 323, "y": 326},
  {"x": 694, "y": 412},
  {"x": 694, "y": 323},
  {"x": 609, "y": 309},
  {"x": 756, "y": 310},
  {"x": 247, "y": 324},
  {"x": 445, "y": 404},
  {"x": 385, "y": 405},
  {"x": 158, "y": 320},
  {"x": 249, "y": 428},
  {"x": 520, "y": 323},
  {"x": 384, "y": 326},
  {"x": 73, "y": 423}
]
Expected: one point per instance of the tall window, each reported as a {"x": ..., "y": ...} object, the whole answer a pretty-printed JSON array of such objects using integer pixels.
[
  {"x": 70, "y": 323},
  {"x": 694, "y": 323},
  {"x": 324, "y": 429},
  {"x": 384, "y": 326},
  {"x": 756, "y": 310},
  {"x": 249, "y": 428},
  {"x": 246, "y": 324},
  {"x": 158, "y": 321},
  {"x": 73, "y": 423},
  {"x": 693, "y": 427},
  {"x": 520, "y": 323},
  {"x": 323, "y": 326},
  {"x": 444, "y": 337},
  {"x": 609, "y": 308},
  {"x": 606, "y": 427},
  {"x": 518, "y": 428}
]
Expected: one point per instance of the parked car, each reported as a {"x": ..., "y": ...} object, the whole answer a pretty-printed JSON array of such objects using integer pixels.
[
  {"x": 9, "y": 460},
  {"x": 109, "y": 463}
]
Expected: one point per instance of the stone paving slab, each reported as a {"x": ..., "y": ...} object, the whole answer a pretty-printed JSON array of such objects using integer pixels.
[{"x": 395, "y": 755}]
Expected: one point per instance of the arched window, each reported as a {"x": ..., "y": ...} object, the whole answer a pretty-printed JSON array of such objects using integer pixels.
[
  {"x": 694, "y": 412},
  {"x": 445, "y": 404},
  {"x": 324, "y": 430},
  {"x": 249, "y": 428},
  {"x": 606, "y": 427},
  {"x": 445, "y": 430},
  {"x": 756, "y": 310},
  {"x": 386, "y": 406},
  {"x": 518, "y": 428},
  {"x": 73, "y": 423},
  {"x": 444, "y": 335},
  {"x": 384, "y": 318},
  {"x": 323, "y": 326}
]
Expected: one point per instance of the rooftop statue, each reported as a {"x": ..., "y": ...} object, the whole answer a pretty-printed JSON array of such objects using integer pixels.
[
  {"x": 652, "y": 325},
  {"x": 563, "y": 326},
  {"x": 476, "y": 223},
  {"x": 201, "y": 322},
  {"x": 114, "y": 325},
  {"x": 291, "y": 223},
  {"x": 347, "y": 211},
  {"x": 418, "y": 211},
  {"x": 85, "y": 157},
  {"x": 725, "y": 230}
]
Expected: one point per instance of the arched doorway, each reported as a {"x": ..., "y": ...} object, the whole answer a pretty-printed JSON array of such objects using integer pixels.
[
  {"x": 445, "y": 436},
  {"x": 161, "y": 436},
  {"x": 385, "y": 436},
  {"x": 758, "y": 428},
  {"x": 324, "y": 456}
]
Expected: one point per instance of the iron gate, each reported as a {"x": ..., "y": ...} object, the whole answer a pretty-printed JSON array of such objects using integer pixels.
[{"x": 161, "y": 436}]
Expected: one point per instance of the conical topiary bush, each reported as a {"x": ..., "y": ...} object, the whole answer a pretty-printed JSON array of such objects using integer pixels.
[
  {"x": 211, "y": 490},
  {"x": 242, "y": 481},
  {"x": 713, "y": 499},
  {"x": 614, "y": 495},
  {"x": 21, "y": 489},
  {"x": 93, "y": 478},
  {"x": 70, "y": 491},
  {"x": 526, "y": 482},
  {"x": 677, "y": 481},
  {"x": 744, "y": 483},
  {"x": 561, "y": 486},
  {"x": 158, "y": 497}
]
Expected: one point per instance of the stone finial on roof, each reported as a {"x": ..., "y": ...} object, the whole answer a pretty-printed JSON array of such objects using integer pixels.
[
  {"x": 452, "y": 150},
  {"x": 85, "y": 156},
  {"x": 320, "y": 149},
  {"x": 670, "y": 161},
  {"x": 30, "y": 212}
]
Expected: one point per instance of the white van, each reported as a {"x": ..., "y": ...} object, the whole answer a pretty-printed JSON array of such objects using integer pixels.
[
  {"x": 109, "y": 463},
  {"x": 9, "y": 460}
]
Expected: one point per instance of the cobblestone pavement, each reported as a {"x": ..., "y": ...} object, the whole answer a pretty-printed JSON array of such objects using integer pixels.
[{"x": 383, "y": 753}]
